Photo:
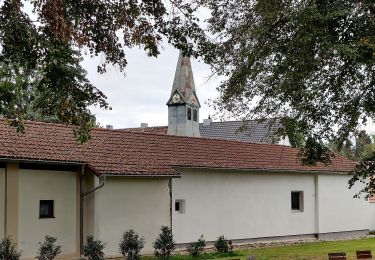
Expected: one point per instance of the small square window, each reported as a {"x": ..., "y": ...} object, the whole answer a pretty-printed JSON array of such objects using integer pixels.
[
  {"x": 46, "y": 209},
  {"x": 297, "y": 200},
  {"x": 179, "y": 206}
]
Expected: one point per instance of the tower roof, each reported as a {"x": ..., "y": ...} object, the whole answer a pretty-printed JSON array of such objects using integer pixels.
[{"x": 183, "y": 82}]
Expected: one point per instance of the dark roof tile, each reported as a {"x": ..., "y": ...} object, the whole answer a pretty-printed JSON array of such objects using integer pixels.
[{"x": 252, "y": 131}]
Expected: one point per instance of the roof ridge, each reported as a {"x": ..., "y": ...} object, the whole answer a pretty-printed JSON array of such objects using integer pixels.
[
  {"x": 159, "y": 126},
  {"x": 248, "y": 120},
  {"x": 202, "y": 138},
  {"x": 40, "y": 123},
  {"x": 152, "y": 134}
]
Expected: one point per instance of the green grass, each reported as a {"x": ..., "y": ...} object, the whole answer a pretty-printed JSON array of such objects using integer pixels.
[
  {"x": 315, "y": 250},
  {"x": 307, "y": 251}
]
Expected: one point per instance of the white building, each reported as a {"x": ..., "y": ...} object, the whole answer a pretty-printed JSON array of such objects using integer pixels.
[{"x": 120, "y": 180}]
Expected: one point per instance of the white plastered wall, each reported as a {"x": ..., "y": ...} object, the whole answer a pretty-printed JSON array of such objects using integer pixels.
[
  {"x": 339, "y": 211},
  {"x": 2, "y": 202},
  {"x": 241, "y": 205},
  {"x": 131, "y": 203},
  {"x": 36, "y": 185}
]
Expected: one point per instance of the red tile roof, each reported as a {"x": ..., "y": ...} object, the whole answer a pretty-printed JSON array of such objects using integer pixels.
[
  {"x": 160, "y": 130},
  {"x": 131, "y": 153}
]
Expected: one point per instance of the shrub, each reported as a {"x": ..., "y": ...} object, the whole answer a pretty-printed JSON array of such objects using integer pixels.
[
  {"x": 221, "y": 244},
  {"x": 196, "y": 248},
  {"x": 131, "y": 244},
  {"x": 164, "y": 244},
  {"x": 93, "y": 249},
  {"x": 48, "y": 250},
  {"x": 8, "y": 250}
]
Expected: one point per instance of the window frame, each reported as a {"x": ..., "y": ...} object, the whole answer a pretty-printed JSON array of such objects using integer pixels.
[
  {"x": 195, "y": 115},
  {"x": 300, "y": 201},
  {"x": 181, "y": 207},
  {"x": 51, "y": 209},
  {"x": 188, "y": 113}
]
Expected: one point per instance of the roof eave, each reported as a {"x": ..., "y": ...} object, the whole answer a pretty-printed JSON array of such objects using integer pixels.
[
  {"x": 259, "y": 170},
  {"x": 41, "y": 161},
  {"x": 134, "y": 175}
]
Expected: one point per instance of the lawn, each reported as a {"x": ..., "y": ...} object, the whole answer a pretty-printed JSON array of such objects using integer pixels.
[{"x": 308, "y": 251}]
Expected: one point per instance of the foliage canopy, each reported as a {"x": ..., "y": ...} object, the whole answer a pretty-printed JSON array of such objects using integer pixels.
[
  {"x": 40, "y": 73},
  {"x": 311, "y": 62}
]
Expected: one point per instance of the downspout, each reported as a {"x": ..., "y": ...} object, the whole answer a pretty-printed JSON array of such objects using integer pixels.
[
  {"x": 101, "y": 184},
  {"x": 317, "y": 215},
  {"x": 82, "y": 196},
  {"x": 170, "y": 203}
]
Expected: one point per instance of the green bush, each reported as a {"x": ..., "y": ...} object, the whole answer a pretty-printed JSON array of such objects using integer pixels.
[
  {"x": 164, "y": 245},
  {"x": 196, "y": 248},
  {"x": 131, "y": 244},
  {"x": 8, "y": 250},
  {"x": 221, "y": 244},
  {"x": 48, "y": 250},
  {"x": 93, "y": 250}
]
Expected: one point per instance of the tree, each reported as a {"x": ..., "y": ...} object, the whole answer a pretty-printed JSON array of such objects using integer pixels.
[
  {"x": 131, "y": 245},
  {"x": 8, "y": 250},
  {"x": 346, "y": 149},
  {"x": 40, "y": 58},
  {"x": 93, "y": 249},
  {"x": 164, "y": 244},
  {"x": 311, "y": 61},
  {"x": 362, "y": 144},
  {"x": 48, "y": 250}
]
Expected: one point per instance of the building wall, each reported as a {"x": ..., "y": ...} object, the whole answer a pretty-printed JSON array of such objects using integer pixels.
[
  {"x": 89, "y": 204},
  {"x": 241, "y": 205},
  {"x": 2, "y": 202},
  {"x": 178, "y": 124},
  {"x": 36, "y": 185},
  {"x": 131, "y": 203},
  {"x": 338, "y": 210}
]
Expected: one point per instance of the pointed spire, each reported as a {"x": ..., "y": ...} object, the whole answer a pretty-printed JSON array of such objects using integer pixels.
[
  {"x": 183, "y": 104},
  {"x": 184, "y": 81}
]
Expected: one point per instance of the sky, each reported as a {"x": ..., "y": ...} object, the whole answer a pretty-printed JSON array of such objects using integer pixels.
[{"x": 141, "y": 95}]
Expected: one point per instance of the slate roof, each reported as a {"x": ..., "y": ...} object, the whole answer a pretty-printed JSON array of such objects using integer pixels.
[
  {"x": 255, "y": 131},
  {"x": 131, "y": 153}
]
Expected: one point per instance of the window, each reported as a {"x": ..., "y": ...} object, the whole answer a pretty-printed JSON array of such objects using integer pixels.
[
  {"x": 179, "y": 206},
  {"x": 195, "y": 115},
  {"x": 297, "y": 200},
  {"x": 189, "y": 113},
  {"x": 46, "y": 209}
]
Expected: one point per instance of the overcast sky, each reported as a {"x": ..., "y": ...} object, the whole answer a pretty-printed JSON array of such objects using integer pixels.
[{"x": 141, "y": 95}]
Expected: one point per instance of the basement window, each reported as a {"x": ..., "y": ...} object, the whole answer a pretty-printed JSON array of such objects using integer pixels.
[
  {"x": 297, "y": 201},
  {"x": 179, "y": 206},
  {"x": 46, "y": 209},
  {"x": 189, "y": 113}
]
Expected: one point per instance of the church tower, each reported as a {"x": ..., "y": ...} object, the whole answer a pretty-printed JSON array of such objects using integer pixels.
[{"x": 183, "y": 104}]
